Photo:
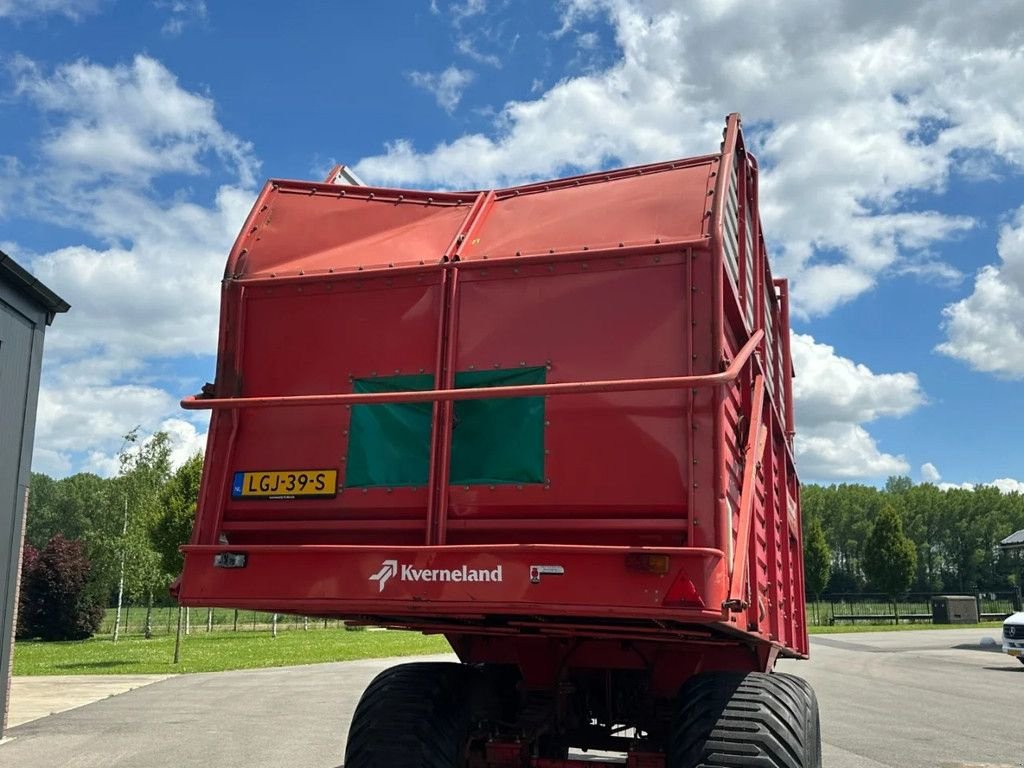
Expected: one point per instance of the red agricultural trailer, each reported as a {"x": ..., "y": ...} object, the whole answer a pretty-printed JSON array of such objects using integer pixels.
[{"x": 552, "y": 422}]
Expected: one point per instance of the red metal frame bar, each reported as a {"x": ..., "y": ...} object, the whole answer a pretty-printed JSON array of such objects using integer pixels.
[
  {"x": 198, "y": 403},
  {"x": 441, "y": 471},
  {"x": 752, "y": 459},
  {"x": 691, "y": 401},
  {"x": 651, "y": 249},
  {"x": 783, "y": 286},
  {"x": 444, "y": 378},
  {"x": 437, "y": 416},
  {"x": 729, "y": 139}
]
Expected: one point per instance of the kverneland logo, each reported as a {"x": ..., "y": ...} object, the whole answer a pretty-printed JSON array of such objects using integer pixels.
[{"x": 392, "y": 568}]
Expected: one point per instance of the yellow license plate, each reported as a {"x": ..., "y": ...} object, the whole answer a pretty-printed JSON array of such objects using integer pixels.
[
  {"x": 1014, "y": 651},
  {"x": 285, "y": 484}
]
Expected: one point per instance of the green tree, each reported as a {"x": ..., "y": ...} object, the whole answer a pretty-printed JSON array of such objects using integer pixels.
[
  {"x": 897, "y": 484},
  {"x": 145, "y": 470},
  {"x": 72, "y": 507},
  {"x": 889, "y": 558},
  {"x": 174, "y": 527},
  {"x": 923, "y": 520},
  {"x": 177, "y": 513},
  {"x": 817, "y": 558}
]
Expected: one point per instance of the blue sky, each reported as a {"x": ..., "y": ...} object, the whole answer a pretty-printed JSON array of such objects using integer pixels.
[{"x": 135, "y": 137}]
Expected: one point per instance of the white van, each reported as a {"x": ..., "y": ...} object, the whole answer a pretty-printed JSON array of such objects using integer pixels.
[{"x": 1013, "y": 636}]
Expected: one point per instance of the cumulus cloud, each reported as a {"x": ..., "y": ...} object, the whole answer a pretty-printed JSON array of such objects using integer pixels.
[
  {"x": 26, "y": 9},
  {"x": 447, "y": 86},
  {"x": 834, "y": 397},
  {"x": 1004, "y": 484},
  {"x": 129, "y": 122},
  {"x": 854, "y": 111},
  {"x": 986, "y": 329},
  {"x": 143, "y": 279},
  {"x": 128, "y": 299}
]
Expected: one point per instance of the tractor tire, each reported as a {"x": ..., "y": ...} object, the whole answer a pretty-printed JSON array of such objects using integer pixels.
[
  {"x": 745, "y": 720},
  {"x": 413, "y": 716}
]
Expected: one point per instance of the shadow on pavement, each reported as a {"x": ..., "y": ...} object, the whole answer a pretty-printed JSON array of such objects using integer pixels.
[{"x": 95, "y": 664}]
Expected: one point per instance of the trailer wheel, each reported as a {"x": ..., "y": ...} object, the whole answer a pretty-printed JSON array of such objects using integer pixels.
[
  {"x": 743, "y": 720},
  {"x": 413, "y": 716}
]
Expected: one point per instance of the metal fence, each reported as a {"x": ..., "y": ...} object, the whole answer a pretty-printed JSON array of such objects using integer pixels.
[
  {"x": 833, "y": 609},
  {"x": 910, "y": 608},
  {"x": 163, "y": 620}
]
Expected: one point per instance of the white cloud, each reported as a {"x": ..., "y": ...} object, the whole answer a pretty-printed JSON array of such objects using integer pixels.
[
  {"x": 447, "y": 86},
  {"x": 834, "y": 388},
  {"x": 128, "y": 300},
  {"x": 184, "y": 441},
  {"x": 833, "y": 398},
  {"x": 986, "y": 329},
  {"x": 26, "y": 9},
  {"x": 127, "y": 122},
  {"x": 1008, "y": 485},
  {"x": 468, "y": 48},
  {"x": 854, "y": 111},
  {"x": 1004, "y": 484},
  {"x": 182, "y": 14},
  {"x": 75, "y": 418},
  {"x": 838, "y": 451},
  {"x": 145, "y": 288},
  {"x": 929, "y": 473},
  {"x": 465, "y": 10}
]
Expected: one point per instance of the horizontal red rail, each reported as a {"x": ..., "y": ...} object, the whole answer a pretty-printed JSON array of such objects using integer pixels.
[{"x": 198, "y": 402}]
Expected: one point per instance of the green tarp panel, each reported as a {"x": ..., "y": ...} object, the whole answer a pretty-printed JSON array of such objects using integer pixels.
[{"x": 493, "y": 441}]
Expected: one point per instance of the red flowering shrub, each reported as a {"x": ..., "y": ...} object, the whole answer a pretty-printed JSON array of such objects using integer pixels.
[{"x": 57, "y": 603}]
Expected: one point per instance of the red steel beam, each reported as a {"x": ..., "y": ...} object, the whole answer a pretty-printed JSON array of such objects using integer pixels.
[
  {"x": 752, "y": 459},
  {"x": 198, "y": 403},
  {"x": 721, "y": 483}
]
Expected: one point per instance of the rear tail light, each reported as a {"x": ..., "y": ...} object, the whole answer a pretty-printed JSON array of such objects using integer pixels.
[{"x": 647, "y": 563}]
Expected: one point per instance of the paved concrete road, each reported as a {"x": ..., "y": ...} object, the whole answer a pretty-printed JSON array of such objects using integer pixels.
[
  {"x": 925, "y": 699},
  {"x": 35, "y": 697},
  {"x": 916, "y": 699}
]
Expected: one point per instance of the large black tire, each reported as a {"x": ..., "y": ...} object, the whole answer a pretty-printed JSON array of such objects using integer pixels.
[
  {"x": 745, "y": 720},
  {"x": 413, "y": 716}
]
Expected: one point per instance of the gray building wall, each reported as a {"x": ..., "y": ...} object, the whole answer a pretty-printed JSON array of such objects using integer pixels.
[{"x": 23, "y": 319}]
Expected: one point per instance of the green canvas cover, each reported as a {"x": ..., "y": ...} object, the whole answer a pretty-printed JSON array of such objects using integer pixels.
[{"x": 493, "y": 441}]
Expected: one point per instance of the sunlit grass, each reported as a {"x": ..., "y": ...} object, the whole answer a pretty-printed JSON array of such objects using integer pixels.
[{"x": 213, "y": 652}]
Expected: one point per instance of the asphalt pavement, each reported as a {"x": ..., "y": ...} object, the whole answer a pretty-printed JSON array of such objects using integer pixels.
[{"x": 928, "y": 699}]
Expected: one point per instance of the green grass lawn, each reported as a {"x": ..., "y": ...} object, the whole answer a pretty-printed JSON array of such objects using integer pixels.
[{"x": 217, "y": 651}]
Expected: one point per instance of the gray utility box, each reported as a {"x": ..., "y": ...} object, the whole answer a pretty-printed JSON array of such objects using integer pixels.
[{"x": 954, "y": 609}]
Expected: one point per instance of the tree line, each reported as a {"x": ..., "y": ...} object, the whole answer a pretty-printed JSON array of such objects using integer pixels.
[
  {"x": 906, "y": 537},
  {"x": 122, "y": 532}
]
